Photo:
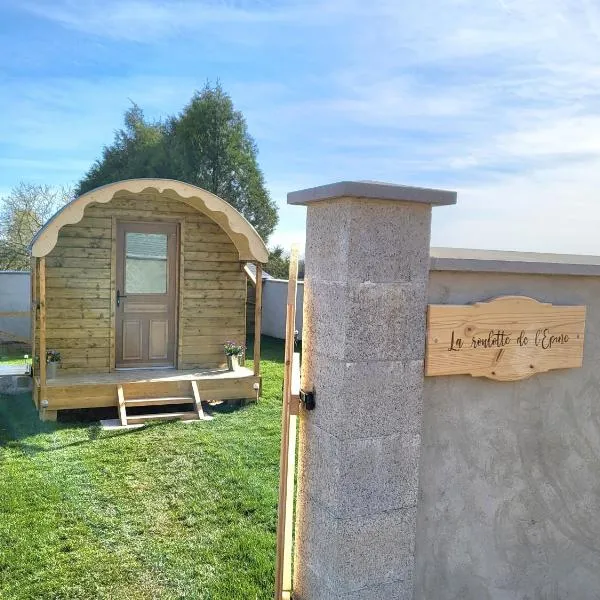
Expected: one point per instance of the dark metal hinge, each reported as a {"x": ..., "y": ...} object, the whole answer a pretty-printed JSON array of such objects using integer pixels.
[{"x": 307, "y": 399}]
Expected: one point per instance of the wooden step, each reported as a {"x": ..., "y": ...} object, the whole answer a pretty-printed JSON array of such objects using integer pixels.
[
  {"x": 159, "y": 401},
  {"x": 182, "y": 416},
  {"x": 154, "y": 389}
]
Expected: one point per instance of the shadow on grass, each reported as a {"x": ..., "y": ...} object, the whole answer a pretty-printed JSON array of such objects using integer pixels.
[
  {"x": 27, "y": 448},
  {"x": 19, "y": 418},
  {"x": 19, "y": 421},
  {"x": 225, "y": 408}
]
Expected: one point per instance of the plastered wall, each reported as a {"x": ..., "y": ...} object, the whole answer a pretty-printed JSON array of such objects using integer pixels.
[
  {"x": 14, "y": 297},
  {"x": 509, "y": 504},
  {"x": 274, "y": 307}
]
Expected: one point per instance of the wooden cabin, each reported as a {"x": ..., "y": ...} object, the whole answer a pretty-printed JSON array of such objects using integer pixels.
[{"x": 138, "y": 284}]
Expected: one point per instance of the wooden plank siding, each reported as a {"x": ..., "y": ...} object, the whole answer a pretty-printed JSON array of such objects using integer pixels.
[{"x": 80, "y": 275}]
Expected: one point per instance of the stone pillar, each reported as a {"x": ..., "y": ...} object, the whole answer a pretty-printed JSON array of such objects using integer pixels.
[{"x": 365, "y": 299}]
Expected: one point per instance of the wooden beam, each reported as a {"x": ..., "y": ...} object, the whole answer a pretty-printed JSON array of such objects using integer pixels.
[
  {"x": 122, "y": 412},
  {"x": 113, "y": 295},
  {"x": 294, "y": 404},
  {"x": 257, "y": 318},
  {"x": 181, "y": 294},
  {"x": 33, "y": 311},
  {"x": 295, "y": 385},
  {"x": 283, "y": 559},
  {"x": 249, "y": 274},
  {"x": 42, "y": 284},
  {"x": 14, "y": 314},
  {"x": 197, "y": 399}
]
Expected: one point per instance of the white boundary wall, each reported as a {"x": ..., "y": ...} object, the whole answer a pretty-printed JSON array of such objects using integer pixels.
[
  {"x": 274, "y": 307},
  {"x": 14, "y": 297}
]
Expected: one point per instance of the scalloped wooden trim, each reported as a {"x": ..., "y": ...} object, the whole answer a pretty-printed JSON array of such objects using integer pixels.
[{"x": 245, "y": 238}]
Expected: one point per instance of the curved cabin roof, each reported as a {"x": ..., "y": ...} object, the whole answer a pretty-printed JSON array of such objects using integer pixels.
[{"x": 245, "y": 238}]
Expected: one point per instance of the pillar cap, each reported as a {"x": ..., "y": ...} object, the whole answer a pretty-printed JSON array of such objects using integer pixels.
[{"x": 372, "y": 190}]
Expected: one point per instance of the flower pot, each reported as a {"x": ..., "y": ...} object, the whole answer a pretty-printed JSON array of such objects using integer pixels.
[
  {"x": 233, "y": 362},
  {"x": 51, "y": 368}
]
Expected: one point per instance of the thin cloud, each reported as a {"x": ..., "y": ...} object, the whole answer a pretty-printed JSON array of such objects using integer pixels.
[
  {"x": 498, "y": 98},
  {"x": 143, "y": 21}
]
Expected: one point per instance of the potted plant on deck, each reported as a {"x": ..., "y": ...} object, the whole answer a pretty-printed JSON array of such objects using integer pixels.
[
  {"x": 52, "y": 362},
  {"x": 234, "y": 353}
]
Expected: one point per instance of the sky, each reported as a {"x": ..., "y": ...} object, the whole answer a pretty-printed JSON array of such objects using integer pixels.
[{"x": 496, "y": 99}]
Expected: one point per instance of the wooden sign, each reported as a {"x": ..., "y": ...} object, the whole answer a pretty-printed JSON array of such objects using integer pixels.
[{"x": 509, "y": 338}]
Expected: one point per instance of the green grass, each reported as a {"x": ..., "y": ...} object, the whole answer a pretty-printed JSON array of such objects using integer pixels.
[
  {"x": 169, "y": 511},
  {"x": 9, "y": 356}
]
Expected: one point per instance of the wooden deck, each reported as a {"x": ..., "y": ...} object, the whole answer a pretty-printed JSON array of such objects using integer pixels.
[
  {"x": 91, "y": 390},
  {"x": 145, "y": 376}
]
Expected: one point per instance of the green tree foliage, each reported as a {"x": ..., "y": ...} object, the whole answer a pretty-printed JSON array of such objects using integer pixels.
[
  {"x": 207, "y": 144},
  {"x": 27, "y": 207},
  {"x": 278, "y": 265}
]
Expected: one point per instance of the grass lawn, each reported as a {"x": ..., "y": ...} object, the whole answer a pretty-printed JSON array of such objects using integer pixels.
[
  {"x": 13, "y": 357},
  {"x": 168, "y": 511}
]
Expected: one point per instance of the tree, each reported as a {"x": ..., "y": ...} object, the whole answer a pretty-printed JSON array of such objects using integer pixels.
[
  {"x": 22, "y": 213},
  {"x": 278, "y": 265},
  {"x": 207, "y": 145},
  {"x": 137, "y": 151}
]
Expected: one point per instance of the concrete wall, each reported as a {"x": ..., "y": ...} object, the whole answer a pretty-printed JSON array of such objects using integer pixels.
[
  {"x": 367, "y": 269},
  {"x": 14, "y": 297},
  {"x": 510, "y": 472},
  {"x": 274, "y": 307},
  {"x": 441, "y": 488}
]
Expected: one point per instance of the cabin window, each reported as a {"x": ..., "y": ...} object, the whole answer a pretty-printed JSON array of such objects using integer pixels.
[{"x": 145, "y": 263}]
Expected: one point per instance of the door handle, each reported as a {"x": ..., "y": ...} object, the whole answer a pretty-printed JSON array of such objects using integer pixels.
[{"x": 119, "y": 296}]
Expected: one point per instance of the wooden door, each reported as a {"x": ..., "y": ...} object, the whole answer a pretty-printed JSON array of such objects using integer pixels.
[{"x": 146, "y": 297}]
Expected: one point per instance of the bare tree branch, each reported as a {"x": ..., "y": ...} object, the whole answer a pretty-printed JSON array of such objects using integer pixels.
[{"x": 22, "y": 214}]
